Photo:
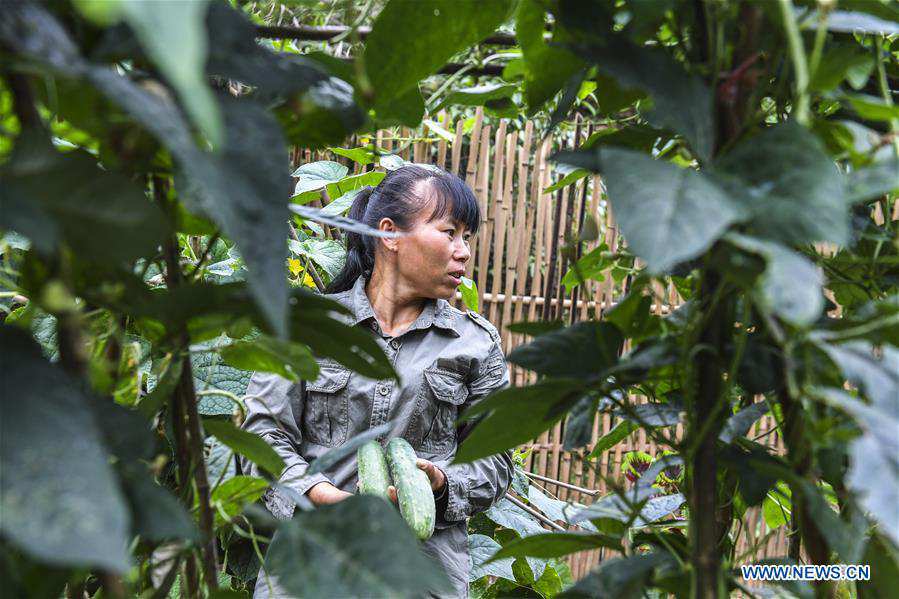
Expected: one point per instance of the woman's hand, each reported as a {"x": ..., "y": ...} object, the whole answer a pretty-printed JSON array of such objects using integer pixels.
[
  {"x": 435, "y": 475},
  {"x": 324, "y": 493}
]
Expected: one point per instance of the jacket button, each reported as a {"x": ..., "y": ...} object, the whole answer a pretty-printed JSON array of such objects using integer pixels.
[
  {"x": 394, "y": 344},
  {"x": 383, "y": 390}
]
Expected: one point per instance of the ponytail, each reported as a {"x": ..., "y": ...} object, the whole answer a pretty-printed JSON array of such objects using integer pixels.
[{"x": 360, "y": 255}]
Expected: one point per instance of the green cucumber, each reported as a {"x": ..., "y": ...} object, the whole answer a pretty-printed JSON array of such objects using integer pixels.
[
  {"x": 413, "y": 488},
  {"x": 374, "y": 477}
]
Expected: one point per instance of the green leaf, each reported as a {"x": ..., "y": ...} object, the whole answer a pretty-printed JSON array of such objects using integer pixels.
[
  {"x": 667, "y": 214},
  {"x": 569, "y": 176},
  {"x": 507, "y": 514},
  {"x": 777, "y": 507},
  {"x": 841, "y": 62},
  {"x": 481, "y": 548},
  {"x": 585, "y": 349},
  {"x": 874, "y": 456},
  {"x": 292, "y": 361},
  {"x": 329, "y": 254},
  {"x": 792, "y": 189},
  {"x": 316, "y": 175},
  {"x": 740, "y": 423},
  {"x": 469, "y": 294},
  {"x": 174, "y": 36},
  {"x": 556, "y": 509},
  {"x": 157, "y": 514},
  {"x": 615, "y": 436},
  {"x": 557, "y": 544},
  {"x": 398, "y": 56},
  {"x": 239, "y": 187},
  {"x": 546, "y": 67},
  {"x": 534, "y": 409},
  {"x": 51, "y": 197},
  {"x": 247, "y": 444},
  {"x": 234, "y": 494},
  {"x": 60, "y": 499},
  {"x": 246, "y": 196},
  {"x": 210, "y": 374},
  {"x": 791, "y": 285},
  {"x": 871, "y": 181},
  {"x": 495, "y": 97},
  {"x": 275, "y": 76},
  {"x": 633, "y": 316},
  {"x": 391, "y": 162},
  {"x": 361, "y": 156},
  {"x": 681, "y": 102},
  {"x": 852, "y": 22},
  {"x": 357, "y": 547},
  {"x": 619, "y": 577}
]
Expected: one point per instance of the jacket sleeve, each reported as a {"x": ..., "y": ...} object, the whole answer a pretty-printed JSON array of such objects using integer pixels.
[
  {"x": 474, "y": 487},
  {"x": 274, "y": 409}
]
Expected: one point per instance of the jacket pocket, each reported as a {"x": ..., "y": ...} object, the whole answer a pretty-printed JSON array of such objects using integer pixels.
[
  {"x": 325, "y": 416},
  {"x": 445, "y": 392}
]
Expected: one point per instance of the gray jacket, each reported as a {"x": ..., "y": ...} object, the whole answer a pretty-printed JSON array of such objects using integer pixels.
[{"x": 447, "y": 360}]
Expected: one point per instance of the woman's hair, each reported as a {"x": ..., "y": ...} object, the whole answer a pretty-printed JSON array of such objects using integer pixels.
[{"x": 395, "y": 198}]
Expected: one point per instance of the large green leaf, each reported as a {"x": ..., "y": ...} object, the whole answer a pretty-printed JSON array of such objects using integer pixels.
[
  {"x": 329, "y": 254},
  {"x": 618, "y": 578},
  {"x": 557, "y": 544},
  {"x": 667, "y": 214},
  {"x": 359, "y": 547},
  {"x": 495, "y": 97},
  {"x": 59, "y": 497},
  {"x": 51, "y": 197},
  {"x": 557, "y": 509},
  {"x": 615, "y": 436},
  {"x": 397, "y": 56},
  {"x": 316, "y": 175},
  {"x": 681, "y": 101},
  {"x": 481, "y": 548},
  {"x": 533, "y": 409},
  {"x": 236, "y": 55},
  {"x": 874, "y": 456},
  {"x": 250, "y": 445},
  {"x": 263, "y": 353},
  {"x": 157, "y": 514},
  {"x": 791, "y": 284},
  {"x": 792, "y": 189},
  {"x": 210, "y": 374},
  {"x": 242, "y": 188},
  {"x": 586, "y": 349},
  {"x": 230, "y": 497},
  {"x": 546, "y": 67},
  {"x": 174, "y": 36}
]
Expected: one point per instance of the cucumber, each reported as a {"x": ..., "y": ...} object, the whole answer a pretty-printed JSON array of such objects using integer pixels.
[
  {"x": 374, "y": 478},
  {"x": 413, "y": 488}
]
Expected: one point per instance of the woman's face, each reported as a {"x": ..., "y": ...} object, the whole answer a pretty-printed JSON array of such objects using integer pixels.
[{"x": 432, "y": 256}]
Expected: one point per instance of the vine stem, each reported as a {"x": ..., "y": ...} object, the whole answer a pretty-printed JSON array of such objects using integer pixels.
[
  {"x": 800, "y": 63},
  {"x": 184, "y": 403},
  {"x": 885, "y": 91}
]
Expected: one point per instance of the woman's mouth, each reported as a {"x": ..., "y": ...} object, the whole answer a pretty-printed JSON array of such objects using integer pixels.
[{"x": 457, "y": 278}]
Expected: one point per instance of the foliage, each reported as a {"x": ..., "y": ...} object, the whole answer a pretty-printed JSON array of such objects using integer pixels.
[{"x": 749, "y": 151}]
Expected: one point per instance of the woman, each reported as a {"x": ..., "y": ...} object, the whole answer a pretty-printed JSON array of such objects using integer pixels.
[{"x": 447, "y": 360}]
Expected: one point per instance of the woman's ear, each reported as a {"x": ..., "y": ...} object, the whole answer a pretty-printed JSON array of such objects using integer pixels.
[{"x": 387, "y": 225}]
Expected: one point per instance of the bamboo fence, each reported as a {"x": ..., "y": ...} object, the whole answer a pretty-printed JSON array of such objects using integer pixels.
[{"x": 518, "y": 263}]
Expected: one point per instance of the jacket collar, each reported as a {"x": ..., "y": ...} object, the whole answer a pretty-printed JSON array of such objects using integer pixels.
[{"x": 437, "y": 312}]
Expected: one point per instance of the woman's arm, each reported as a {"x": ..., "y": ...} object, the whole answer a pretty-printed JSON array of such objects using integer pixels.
[
  {"x": 474, "y": 487},
  {"x": 274, "y": 411}
]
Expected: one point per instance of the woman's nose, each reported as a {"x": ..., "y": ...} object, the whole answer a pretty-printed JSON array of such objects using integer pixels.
[{"x": 461, "y": 251}]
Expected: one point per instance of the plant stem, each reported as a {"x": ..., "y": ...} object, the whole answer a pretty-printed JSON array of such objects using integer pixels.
[
  {"x": 704, "y": 527},
  {"x": 885, "y": 92},
  {"x": 184, "y": 402},
  {"x": 800, "y": 65}
]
